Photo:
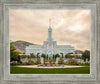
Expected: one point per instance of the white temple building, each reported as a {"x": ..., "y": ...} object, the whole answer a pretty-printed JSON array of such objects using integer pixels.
[{"x": 49, "y": 47}]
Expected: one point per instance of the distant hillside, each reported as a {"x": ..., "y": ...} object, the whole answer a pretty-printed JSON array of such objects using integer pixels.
[
  {"x": 20, "y": 45},
  {"x": 78, "y": 51}
]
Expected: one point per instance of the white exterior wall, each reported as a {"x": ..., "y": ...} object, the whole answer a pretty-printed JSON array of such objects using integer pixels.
[
  {"x": 49, "y": 46},
  {"x": 33, "y": 49}
]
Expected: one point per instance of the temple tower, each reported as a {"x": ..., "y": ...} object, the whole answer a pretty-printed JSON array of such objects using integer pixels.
[{"x": 50, "y": 31}]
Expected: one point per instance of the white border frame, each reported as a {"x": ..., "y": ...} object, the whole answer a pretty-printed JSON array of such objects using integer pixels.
[{"x": 8, "y": 7}]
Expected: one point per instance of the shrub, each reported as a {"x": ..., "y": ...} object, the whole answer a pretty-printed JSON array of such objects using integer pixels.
[
  {"x": 72, "y": 62},
  {"x": 30, "y": 62},
  {"x": 23, "y": 63},
  {"x": 86, "y": 64},
  {"x": 61, "y": 61},
  {"x": 38, "y": 61},
  {"x": 24, "y": 56},
  {"x": 50, "y": 61},
  {"x": 32, "y": 55},
  {"x": 14, "y": 63},
  {"x": 56, "y": 64}
]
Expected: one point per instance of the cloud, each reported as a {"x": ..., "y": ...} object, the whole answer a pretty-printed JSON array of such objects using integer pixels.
[{"x": 69, "y": 27}]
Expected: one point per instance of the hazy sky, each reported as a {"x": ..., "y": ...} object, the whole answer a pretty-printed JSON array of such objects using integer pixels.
[{"x": 69, "y": 27}]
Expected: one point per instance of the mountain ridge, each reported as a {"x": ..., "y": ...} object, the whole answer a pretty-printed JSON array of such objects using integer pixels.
[{"x": 20, "y": 45}]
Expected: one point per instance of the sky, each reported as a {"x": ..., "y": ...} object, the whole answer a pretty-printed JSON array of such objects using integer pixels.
[{"x": 69, "y": 27}]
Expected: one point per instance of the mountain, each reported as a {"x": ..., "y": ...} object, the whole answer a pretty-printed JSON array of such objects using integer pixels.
[
  {"x": 20, "y": 45},
  {"x": 78, "y": 51}
]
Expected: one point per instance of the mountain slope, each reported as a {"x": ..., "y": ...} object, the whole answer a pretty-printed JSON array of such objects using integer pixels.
[
  {"x": 20, "y": 45},
  {"x": 78, "y": 51}
]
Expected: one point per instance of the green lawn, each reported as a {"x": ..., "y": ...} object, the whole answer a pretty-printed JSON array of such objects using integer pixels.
[{"x": 21, "y": 70}]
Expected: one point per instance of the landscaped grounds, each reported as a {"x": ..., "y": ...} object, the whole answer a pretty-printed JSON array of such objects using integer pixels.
[{"x": 36, "y": 64}]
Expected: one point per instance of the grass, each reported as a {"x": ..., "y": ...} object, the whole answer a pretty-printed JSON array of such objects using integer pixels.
[{"x": 21, "y": 70}]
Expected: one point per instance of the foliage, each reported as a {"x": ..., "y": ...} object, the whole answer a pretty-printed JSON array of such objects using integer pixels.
[
  {"x": 14, "y": 63},
  {"x": 38, "y": 56},
  {"x": 56, "y": 64},
  {"x": 38, "y": 61},
  {"x": 68, "y": 60},
  {"x": 12, "y": 48},
  {"x": 57, "y": 55},
  {"x": 45, "y": 60},
  {"x": 53, "y": 57},
  {"x": 80, "y": 64},
  {"x": 73, "y": 61},
  {"x": 78, "y": 57},
  {"x": 85, "y": 55},
  {"x": 53, "y": 60},
  {"x": 74, "y": 56},
  {"x": 50, "y": 60},
  {"x": 43, "y": 55},
  {"x": 14, "y": 55},
  {"x": 70, "y": 53},
  {"x": 85, "y": 64},
  {"x": 23, "y": 52},
  {"x": 61, "y": 61},
  {"x": 30, "y": 62},
  {"x": 68, "y": 56},
  {"x": 24, "y": 56},
  {"x": 32, "y": 55},
  {"x": 21, "y": 63}
]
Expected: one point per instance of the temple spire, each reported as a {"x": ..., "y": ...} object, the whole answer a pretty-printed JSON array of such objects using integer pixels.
[{"x": 50, "y": 31}]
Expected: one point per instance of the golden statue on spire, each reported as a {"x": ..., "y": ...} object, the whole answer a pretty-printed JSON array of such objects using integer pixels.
[{"x": 49, "y": 19}]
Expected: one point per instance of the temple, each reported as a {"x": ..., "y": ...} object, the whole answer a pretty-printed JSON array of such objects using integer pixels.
[{"x": 49, "y": 47}]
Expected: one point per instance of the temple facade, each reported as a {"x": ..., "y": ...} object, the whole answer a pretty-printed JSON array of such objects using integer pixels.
[{"x": 50, "y": 47}]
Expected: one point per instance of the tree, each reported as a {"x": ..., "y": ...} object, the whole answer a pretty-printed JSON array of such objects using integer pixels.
[
  {"x": 47, "y": 57},
  {"x": 85, "y": 55},
  {"x": 14, "y": 55},
  {"x": 38, "y": 55},
  {"x": 43, "y": 55},
  {"x": 23, "y": 52},
  {"x": 68, "y": 56},
  {"x": 32, "y": 55},
  {"x": 53, "y": 57},
  {"x": 57, "y": 55},
  {"x": 12, "y": 48}
]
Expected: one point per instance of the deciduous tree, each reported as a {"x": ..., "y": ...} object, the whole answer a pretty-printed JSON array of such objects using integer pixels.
[{"x": 86, "y": 55}]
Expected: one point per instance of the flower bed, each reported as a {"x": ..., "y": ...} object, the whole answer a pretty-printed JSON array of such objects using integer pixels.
[{"x": 50, "y": 64}]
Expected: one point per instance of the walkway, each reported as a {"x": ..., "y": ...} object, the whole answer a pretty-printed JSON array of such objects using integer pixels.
[{"x": 35, "y": 66}]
